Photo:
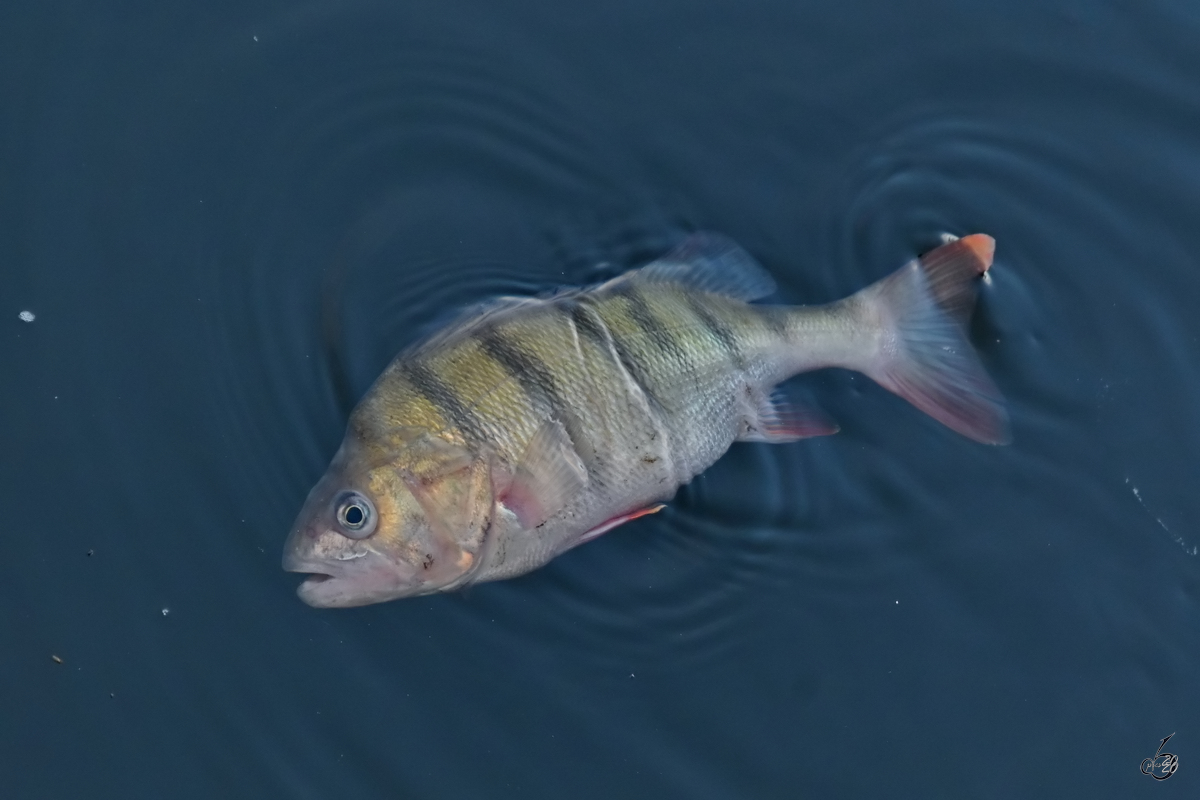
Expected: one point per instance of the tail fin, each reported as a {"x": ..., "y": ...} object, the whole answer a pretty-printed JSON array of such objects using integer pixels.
[{"x": 924, "y": 355}]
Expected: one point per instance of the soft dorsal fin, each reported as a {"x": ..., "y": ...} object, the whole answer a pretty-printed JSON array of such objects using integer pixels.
[{"x": 712, "y": 263}]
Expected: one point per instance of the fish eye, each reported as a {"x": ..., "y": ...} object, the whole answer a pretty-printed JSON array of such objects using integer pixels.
[{"x": 355, "y": 515}]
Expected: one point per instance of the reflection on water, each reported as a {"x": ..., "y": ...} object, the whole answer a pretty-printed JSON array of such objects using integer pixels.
[{"x": 228, "y": 223}]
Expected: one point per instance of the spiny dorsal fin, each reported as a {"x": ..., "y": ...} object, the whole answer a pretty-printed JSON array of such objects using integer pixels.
[
  {"x": 473, "y": 318},
  {"x": 709, "y": 262}
]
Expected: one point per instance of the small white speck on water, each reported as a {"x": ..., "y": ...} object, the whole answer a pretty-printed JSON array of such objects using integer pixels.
[
  {"x": 897, "y": 602},
  {"x": 256, "y": 38},
  {"x": 166, "y": 611},
  {"x": 27, "y": 316},
  {"x": 631, "y": 674},
  {"x": 1179, "y": 540}
]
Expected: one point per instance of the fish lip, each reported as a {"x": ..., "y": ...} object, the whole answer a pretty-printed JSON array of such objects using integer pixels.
[
  {"x": 314, "y": 573},
  {"x": 355, "y": 582},
  {"x": 320, "y": 589},
  {"x": 293, "y": 563}
]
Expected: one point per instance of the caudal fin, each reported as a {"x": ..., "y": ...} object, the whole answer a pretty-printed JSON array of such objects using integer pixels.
[{"x": 924, "y": 355}]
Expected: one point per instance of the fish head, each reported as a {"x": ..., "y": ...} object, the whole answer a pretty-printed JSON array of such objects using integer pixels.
[{"x": 391, "y": 519}]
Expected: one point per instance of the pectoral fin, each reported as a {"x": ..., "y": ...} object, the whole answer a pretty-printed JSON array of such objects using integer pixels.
[{"x": 549, "y": 474}]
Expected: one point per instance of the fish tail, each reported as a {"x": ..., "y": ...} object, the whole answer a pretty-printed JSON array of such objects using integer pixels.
[{"x": 921, "y": 349}]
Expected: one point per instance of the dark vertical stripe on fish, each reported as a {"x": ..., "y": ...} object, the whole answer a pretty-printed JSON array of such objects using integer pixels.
[
  {"x": 720, "y": 331},
  {"x": 437, "y": 392},
  {"x": 529, "y": 369},
  {"x": 777, "y": 319},
  {"x": 655, "y": 331},
  {"x": 585, "y": 321},
  {"x": 589, "y": 323},
  {"x": 537, "y": 379}
]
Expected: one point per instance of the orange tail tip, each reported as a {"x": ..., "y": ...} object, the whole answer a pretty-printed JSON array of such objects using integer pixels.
[
  {"x": 981, "y": 246},
  {"x": 951, "y": 271},
  {"x": 984, "y": 248}
]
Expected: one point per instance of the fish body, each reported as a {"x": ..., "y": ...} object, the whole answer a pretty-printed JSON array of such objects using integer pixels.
[{"x": 531, "y": 425}]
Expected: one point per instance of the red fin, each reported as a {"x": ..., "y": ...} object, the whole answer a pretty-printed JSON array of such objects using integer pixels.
[{"x": 605, "y": 527}]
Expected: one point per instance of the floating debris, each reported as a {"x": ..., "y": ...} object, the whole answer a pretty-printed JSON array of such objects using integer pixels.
[
  {"x": 27, "y": 316},
  {"x": 57, "y": 660},
  {"x": 1175, "y": 537},
  {"x": 166, "y": 611}
]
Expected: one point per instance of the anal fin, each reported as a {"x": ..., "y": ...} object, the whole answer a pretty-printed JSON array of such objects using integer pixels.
[{"x": 776, "y": 419}]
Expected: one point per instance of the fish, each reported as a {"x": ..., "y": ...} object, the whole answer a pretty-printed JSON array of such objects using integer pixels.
[{"x": 530, "y": 425}]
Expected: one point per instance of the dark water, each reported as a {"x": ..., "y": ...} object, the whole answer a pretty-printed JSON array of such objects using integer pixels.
[{"x": 226, "y": 218}]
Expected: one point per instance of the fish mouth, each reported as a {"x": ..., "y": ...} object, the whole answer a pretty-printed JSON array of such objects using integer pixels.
[
  {"x": 317, "y": 583},
  {"x": 314, "y": 571},
  {"x": 322, "y": 590},
  {"x": 357, "y": 582}
]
